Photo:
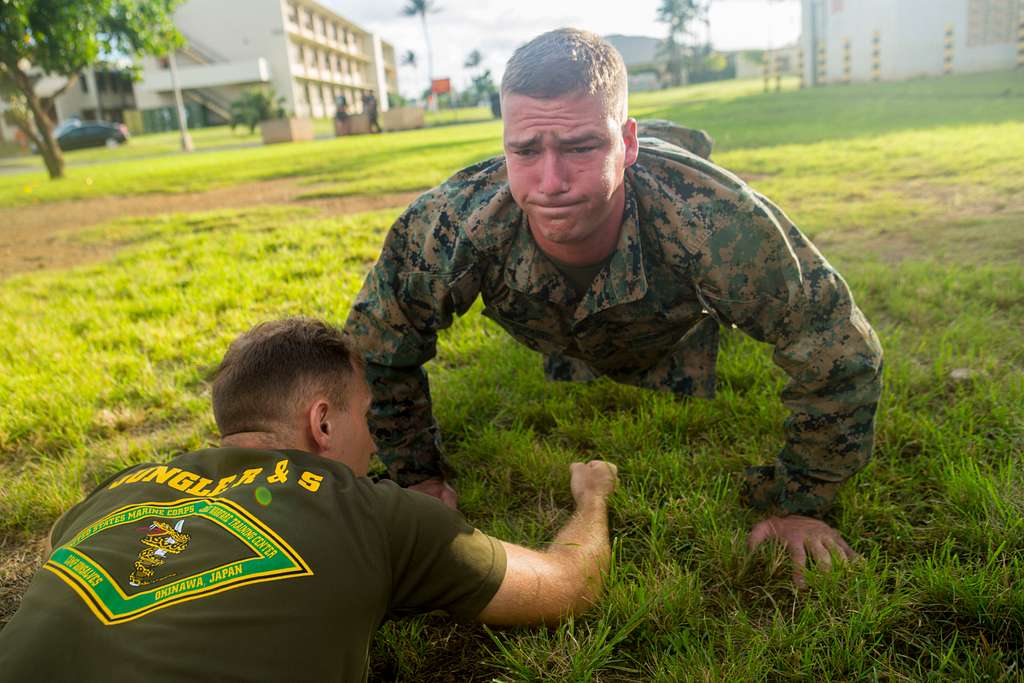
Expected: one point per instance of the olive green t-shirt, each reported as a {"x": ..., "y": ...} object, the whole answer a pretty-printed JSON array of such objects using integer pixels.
[
  {"x": 580, "y": 277},
  {"x": 241, "y": 564}
]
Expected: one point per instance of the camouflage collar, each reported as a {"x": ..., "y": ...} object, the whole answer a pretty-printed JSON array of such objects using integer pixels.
[{"x": 622, "y": 281}]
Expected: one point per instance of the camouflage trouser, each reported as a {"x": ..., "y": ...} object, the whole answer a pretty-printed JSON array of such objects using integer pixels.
[{"x": 559, "y": 368}]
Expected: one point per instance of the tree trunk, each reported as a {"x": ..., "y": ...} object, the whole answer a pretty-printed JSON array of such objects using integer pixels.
[{"x": 48, "y": 147}]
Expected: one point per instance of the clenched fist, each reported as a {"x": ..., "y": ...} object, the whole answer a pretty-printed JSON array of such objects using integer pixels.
[{"x": 596, "y": 478}]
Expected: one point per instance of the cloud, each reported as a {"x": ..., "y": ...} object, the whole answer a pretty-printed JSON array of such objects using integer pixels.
[{"x": 497, "y": 29}]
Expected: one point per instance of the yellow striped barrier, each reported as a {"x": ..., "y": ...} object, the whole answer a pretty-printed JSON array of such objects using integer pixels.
[
  {"x": 821, "y": 76},
  {"x": 847, "y": 59},
  {"x": 876, "y": 56},
  {"x": 947, "y": 56}
]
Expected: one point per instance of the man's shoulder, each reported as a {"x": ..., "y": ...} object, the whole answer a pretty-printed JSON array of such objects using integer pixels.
[
  {"x": 475, "y": 204},
  {"x": 686, "y": 196},
  {"x": 680, "y": 171}
]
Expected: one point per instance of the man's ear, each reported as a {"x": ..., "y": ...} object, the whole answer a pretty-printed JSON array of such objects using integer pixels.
[
  {"x": 630, "y": 141},
  {"x": 320, "y": 428}
]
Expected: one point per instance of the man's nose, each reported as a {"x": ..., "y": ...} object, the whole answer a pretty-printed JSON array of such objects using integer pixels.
[{"x": 554, "y": 174}]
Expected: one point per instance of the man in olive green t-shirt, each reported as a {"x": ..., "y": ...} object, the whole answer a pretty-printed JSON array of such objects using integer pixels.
[{"x": 274, "y": 557}]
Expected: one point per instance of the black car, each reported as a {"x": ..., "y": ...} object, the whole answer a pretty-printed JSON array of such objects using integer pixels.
[{"x": 93, "y": 134}]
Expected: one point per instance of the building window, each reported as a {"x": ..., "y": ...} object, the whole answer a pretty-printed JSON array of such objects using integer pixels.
[
  {"x": 293, "y": 13},
  {"x": 309, "y": 20},
  {"x": 334, "y": 31},
  {"x": 84, "y": 82},
  {"x": 302, "y": 55},
  {"x": 990, "y": 22}
]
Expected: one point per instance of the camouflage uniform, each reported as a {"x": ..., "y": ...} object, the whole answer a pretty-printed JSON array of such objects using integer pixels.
[{"x": 698, "y": 248}]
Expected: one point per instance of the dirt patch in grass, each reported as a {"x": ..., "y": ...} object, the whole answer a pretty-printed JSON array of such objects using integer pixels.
[
  {"x": 29, "y": 238},
  {"x": 971, "y": 225},
  {"x": 19, "y": 561}
]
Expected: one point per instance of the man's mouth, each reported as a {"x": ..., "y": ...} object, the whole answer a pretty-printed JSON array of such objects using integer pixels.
[{"x": 551, "y": 206}]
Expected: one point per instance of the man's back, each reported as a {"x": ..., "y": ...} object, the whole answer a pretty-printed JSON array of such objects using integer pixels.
[{"x": 239, "y": 563}]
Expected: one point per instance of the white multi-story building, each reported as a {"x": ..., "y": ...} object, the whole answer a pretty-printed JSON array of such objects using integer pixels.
[
  {"x": 860, "y": 40},
  {"x": 303, "y": 50}
]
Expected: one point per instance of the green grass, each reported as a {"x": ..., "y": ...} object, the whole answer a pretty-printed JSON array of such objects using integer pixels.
[
  {"x": 445, "y": 117},
  {"x": 147, "y": 145},
  {"x": 737, "y": 114},
  {"x": 106, "y": 365}
]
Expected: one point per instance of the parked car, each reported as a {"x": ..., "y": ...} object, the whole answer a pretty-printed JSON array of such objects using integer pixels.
[
  {"x": 66, "y": 125},
  {"x": 93, "y": 134}
]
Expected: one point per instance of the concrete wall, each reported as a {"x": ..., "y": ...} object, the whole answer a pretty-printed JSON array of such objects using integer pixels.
[
  {"x": 912, "y": 36},
  {"x": 247, "y": 35}
]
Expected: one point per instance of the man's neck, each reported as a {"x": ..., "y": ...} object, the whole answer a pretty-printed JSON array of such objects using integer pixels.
[
  {"x": 267, "y": 441},
  {"x": 597, "y": 247}
]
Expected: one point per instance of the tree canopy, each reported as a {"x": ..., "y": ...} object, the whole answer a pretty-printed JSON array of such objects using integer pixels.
[{"x": 62, "y": 38}]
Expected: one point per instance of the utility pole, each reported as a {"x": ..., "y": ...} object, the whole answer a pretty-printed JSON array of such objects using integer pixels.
[{"x": 186, "y": 139}]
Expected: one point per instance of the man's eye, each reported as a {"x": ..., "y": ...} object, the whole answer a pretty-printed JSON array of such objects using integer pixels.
[
  {"x": 525, "y": 152},
  {"x": 583, "y": 150}
]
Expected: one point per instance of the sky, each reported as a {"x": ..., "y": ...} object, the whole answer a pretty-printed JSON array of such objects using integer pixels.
[{"x": 498, "y": 27}]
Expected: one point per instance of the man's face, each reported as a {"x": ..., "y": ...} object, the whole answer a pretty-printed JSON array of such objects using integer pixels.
[
  {"x": 565, "y": 160},
  {"x": 352, "y": 444}
]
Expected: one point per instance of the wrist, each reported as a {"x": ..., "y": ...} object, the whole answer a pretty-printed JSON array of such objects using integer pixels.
[{"x": 592, "y": 501}]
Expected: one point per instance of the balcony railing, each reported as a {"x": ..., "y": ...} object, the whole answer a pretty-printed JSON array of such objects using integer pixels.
[{"x": 209, "y": 75}]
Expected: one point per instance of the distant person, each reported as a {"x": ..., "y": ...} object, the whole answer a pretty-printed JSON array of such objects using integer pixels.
[
  {"x": 274, "y": 557},
  {"x": 621, "y": 256},
  {"x": 370, "y": 108},
  {"x": 341, "y": 116}
]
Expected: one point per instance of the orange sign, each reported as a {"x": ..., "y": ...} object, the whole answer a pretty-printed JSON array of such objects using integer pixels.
[{"x": 440, "y": 85}]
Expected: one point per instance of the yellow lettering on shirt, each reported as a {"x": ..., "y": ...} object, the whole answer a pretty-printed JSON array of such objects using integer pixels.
[
  {"x": 222, "y": 485},
  {"x": 117, "y": 482},
  {"x": 310, "y": 481},
  {"x": 137, "y": 476},
  {"x": 248, "y": 477},
  {"x": 198, "y": 489},
  {"x": 183, "y": 480},
  {"x": 280, "y": 474},
  {"x": 161, "y": 473},
  {"x": 196, "y": 485}
]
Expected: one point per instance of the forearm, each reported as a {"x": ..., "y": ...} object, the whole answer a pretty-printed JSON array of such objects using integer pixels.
[
  {"x": 403, "y": 424},
  {"x": 583, "y": 552}
]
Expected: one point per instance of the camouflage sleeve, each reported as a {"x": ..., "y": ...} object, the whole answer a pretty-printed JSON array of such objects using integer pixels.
[
  {"x": 424, "y": 276},
  {"x": 758, "y": 272}
]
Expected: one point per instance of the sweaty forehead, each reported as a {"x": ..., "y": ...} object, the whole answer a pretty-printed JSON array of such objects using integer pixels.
[{"x": 526, "y": 118}]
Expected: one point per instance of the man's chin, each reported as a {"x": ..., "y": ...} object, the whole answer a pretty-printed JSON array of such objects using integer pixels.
[{"x": 557, "y": 232}]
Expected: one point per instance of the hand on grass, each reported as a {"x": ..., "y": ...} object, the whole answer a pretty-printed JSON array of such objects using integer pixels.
[
  {"x": 440, "y": 489},
  {"x": 802, "y": 536}
]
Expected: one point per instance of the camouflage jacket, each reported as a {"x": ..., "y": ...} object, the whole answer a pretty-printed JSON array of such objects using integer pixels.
[{"x": 698, "y": 248}]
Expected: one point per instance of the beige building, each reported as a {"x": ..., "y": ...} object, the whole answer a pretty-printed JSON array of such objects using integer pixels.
[
  {"x": 863, "y": 40},
  {"x": 303, "y": 50}
]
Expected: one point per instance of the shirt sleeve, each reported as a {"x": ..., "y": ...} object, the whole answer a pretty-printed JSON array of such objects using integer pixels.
[
  {"x": 438, "y": 561},
  {"x": 758, "y": 272},
  {"x": 425, "y": 275}
]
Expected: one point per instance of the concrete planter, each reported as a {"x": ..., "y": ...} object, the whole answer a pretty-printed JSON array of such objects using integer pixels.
[
  {"x": 286, "y": 130},
  {"x": 402, "y": 118}
]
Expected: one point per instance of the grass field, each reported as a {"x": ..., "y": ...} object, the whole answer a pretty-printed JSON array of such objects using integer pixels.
[{"x": 915, "y": 191}]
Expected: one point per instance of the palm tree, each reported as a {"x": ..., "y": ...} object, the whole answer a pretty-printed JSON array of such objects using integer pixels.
[
  {"x": 680, "y": 15},
  {"x": 473, "y": 59},
  {"x": 423, "y": 8}
]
